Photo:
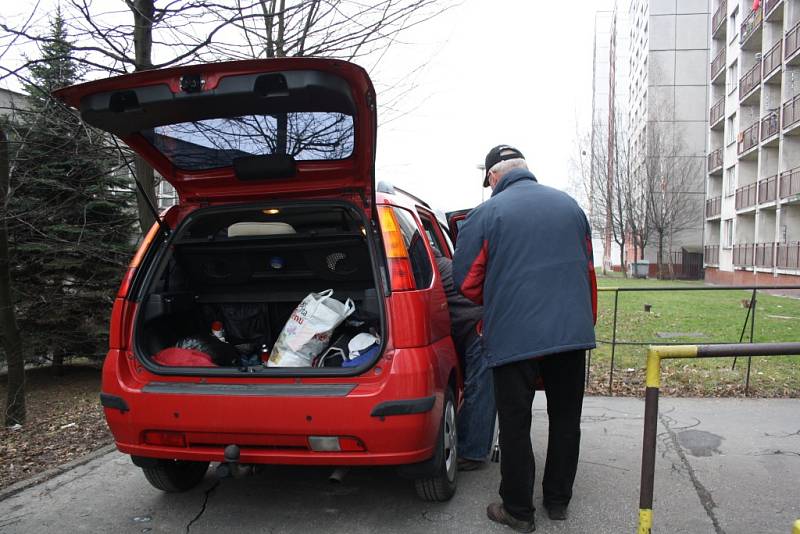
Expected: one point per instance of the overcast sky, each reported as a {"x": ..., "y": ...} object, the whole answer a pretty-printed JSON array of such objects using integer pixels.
[
  {"x": 517, "y": 72},
  {"x": 501, "y": 71}
]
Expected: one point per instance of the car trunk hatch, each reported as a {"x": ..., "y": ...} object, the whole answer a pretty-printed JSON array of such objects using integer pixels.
[{"x": 284, "y": 128}]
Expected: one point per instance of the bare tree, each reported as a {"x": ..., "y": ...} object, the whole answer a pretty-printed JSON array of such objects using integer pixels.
[
  {"x": 180, "y": 32},
  {"x": 613, "y": 186},
  {"x": 669, "y": 174}
]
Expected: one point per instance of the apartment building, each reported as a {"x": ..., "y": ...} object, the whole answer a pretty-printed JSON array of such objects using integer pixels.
[
  {"x": 667, "y": 100},
  {"x": 752, "y": 209}
]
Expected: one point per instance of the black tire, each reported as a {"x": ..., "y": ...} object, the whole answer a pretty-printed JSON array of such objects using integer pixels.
[
  {"x": 174, "y": 476},
  {"x": 442, "y": 486}
]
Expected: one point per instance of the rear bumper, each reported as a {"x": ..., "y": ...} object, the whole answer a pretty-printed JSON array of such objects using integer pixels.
[{"x": 395, "y": 416}]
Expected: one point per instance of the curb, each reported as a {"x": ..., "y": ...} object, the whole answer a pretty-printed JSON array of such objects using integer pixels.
[{"x": 44, "y": 476}]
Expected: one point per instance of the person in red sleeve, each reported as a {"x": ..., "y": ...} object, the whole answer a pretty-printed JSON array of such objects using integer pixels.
[{"x": 526, "y": 255}]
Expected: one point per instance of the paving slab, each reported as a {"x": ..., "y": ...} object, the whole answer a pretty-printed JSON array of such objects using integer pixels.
[{"x": 724, "y": 466}]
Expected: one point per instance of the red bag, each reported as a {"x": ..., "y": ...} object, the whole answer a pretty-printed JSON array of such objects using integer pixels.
[{"x": 175, "y": 357}]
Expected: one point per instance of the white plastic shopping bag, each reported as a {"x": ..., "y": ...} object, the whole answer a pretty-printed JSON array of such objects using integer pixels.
[{"x": 308, "y": 331}]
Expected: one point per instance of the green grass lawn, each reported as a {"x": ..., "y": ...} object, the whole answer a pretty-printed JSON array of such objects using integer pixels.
[{"x": 694, "y": 317}]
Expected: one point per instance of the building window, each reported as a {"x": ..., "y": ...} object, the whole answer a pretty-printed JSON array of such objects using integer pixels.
[
  {"x": 730, "y": 180},
  {"x": 167, "y": 196},
  {"x": 727, "y": 233},
  {"x": 733, "y": 30},
  {"x": 730, "y": 129},
  {"x": 732, "y": 80}
]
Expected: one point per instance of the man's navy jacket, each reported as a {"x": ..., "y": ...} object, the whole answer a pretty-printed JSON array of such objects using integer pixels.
[{"x": 526, "y": 255}]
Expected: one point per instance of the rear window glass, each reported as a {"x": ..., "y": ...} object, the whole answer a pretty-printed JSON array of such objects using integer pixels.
[{"x": 214, "y": 143}]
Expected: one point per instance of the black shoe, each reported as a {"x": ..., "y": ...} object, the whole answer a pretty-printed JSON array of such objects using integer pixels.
[
  {"x": 465, "y": 464},
  {"x": 497, "y": 513},
  {"x": 557, "y": 512}
]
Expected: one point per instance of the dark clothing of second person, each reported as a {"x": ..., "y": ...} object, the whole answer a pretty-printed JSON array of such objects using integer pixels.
[
  {"x": 525, "y": 254},
  {"x": 477, "y": 415},
  {"x": 464, "y": 314}
]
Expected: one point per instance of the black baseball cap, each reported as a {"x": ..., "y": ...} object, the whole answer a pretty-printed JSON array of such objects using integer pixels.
[{"x": 498, "y": 154}]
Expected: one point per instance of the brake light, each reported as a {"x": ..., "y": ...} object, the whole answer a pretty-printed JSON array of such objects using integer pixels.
[
  {"x": 136, "y": 261},
  {"x": 400, "y": 273},
  {"x": 164, "y": 438}
]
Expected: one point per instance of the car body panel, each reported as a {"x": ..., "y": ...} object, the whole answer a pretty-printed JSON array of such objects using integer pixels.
[{"x": 272, "y": 417}]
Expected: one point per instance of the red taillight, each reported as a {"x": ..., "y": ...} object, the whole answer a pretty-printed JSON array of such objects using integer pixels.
[
  {"x": 350, "y": 444},
  {"x": 400, "y": 273},
  {"x": 164, "y": 438}
]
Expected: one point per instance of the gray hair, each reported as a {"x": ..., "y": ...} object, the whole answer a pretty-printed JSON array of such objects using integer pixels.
[{"x": 502, "y": 167}]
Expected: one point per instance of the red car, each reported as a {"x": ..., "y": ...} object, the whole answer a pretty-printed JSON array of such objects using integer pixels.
[{"x": 273, "y": 164}]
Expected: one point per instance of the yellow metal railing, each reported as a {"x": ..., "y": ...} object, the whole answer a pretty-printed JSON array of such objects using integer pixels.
[{"x": 654, "y": 356}]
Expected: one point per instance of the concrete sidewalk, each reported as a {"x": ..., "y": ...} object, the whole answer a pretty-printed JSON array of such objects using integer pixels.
[{"x": 727, "y": 466}]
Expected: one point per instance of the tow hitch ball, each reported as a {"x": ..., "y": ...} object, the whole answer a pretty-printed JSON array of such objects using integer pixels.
[{"x": 231, "y": 466}]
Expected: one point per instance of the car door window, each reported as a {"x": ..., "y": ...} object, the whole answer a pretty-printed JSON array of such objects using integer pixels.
[
  {"x": 417, "y": 252},
  {"x": 447, "y": 240},
  {"x": 434, "y": 237}
]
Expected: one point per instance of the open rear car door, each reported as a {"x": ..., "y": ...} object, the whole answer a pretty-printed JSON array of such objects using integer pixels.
[{"x": 245, "y": 130}]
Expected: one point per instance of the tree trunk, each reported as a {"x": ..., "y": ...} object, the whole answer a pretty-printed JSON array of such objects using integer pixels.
[
  {"x": 57, "y": 368},
  {"x": 622, "y": 259},
  {"x": 12, "y": 344},
  {"x": 660, "y": 255},
  {"x": 143, "y": 13}
]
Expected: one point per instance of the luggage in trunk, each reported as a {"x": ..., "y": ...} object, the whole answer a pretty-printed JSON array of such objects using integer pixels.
[{"x": 249, "y": 269}]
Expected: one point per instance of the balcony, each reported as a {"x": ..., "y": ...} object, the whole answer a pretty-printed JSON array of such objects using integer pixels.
[
  {"x": 711, "y": 254},
  {"x": 746, "y": 197},
  {"x": 749, "y": 83},
  {"x": 788, "y": 256},
  {"x": 763, "y": 253},
  {"x": 718, "y": 20},
  {"x": 713, "y": 207},
  {"x": 748, "y": 139},
  {"x": 771, "y": 64},
  {"x": 743, "y": 255},
  {"x": 770, "y": 126},
  {"x": 715, "y": 162},
  {"x": 768, "y": 189},
  {"x": 789, "y": 183},
  {"x": 750, "y": 30},
  {"x": 773, "y": 10},
  {"x": 791, "y": 114},
  {"x": 718, "y": 68},
  {"x": 791, "y": 44},
  {"x": 716, "y": 114}
]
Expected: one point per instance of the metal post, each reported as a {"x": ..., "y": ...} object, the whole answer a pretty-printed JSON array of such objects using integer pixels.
[
  {"x": 744, "y": 326},
  {"x": 588, "y": 367},
  {"x": 752, "y": 330},
  {"x": 649, "y": 443},
  {"x": 613, "y": 344}
]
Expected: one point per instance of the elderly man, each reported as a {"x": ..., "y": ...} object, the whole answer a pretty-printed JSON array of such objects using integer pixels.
[{"x": 525, "y": 254}]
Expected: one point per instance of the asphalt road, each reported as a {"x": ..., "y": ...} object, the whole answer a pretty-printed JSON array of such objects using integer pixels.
[{"x": 724, "y": 466}]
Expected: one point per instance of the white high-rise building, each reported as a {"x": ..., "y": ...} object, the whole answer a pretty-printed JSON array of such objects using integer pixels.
[{"x": 752, "y": 210}]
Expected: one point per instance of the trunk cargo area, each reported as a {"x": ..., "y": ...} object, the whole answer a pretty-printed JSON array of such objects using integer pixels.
[{"x": 248, "y": 268}]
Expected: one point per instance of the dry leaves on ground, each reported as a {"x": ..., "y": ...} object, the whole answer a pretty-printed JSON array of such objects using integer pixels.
[{"x": 65, "y": 421}]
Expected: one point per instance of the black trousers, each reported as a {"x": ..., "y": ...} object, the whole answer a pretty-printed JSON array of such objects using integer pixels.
[{"x": 563, "y": 376}]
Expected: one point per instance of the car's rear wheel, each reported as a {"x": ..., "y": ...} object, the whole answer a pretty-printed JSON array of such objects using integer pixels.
[
  {"x": 442, "y": 486},
  {"x": 175, "y": 475}
]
